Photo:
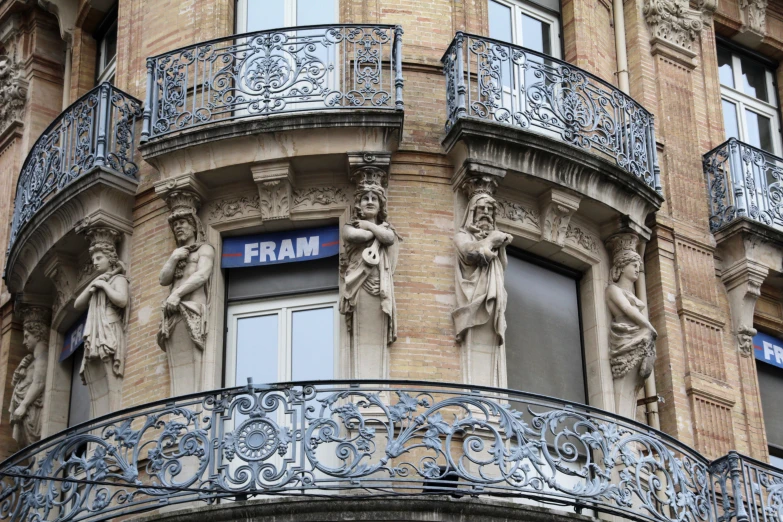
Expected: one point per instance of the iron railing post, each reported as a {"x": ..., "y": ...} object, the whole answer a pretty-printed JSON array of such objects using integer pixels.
[
  {"x": 737, "y": 178},
  {"x": 398, "y": 80},
  {"x": 145, "y": 126},
  {"x": 104, "y": 104},
  {"x": 735, "y": 463},
  {"x": 653, "y": 148},
  {"x": 461, "y": 110}
]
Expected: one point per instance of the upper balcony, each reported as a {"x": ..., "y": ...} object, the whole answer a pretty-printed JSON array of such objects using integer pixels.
[
  {"x": 378, "y": 439},
  {"x": 90, "y": 145},
  {"x": 519, "y": 107},
  {"x": 328, "y": 76},
  {"x": 743, "y": 181}
]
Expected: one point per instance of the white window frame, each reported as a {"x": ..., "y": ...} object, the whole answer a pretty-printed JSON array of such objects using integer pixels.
[
  {"x": 289, "y": 15},
  {"x": 106, "y": 70},
  {"x": 284, "y": 307},
  {"x": 742, "y": 101},
  {"x": 518, "y": 8}
]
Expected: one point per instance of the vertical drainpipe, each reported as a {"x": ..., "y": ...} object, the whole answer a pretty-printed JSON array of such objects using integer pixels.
[{"x": 641, "y": 288}]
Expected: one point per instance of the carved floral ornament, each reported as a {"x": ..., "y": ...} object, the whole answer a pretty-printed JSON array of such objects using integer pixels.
[
  {"x": 753, "y": 14},
  {"x": 13, "y": 91},
  {"x": 673, "y": 21}
]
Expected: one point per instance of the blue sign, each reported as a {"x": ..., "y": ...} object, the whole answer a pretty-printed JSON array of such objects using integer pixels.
[
  {"x": 280, "y": 247},
  {"x": 768, "y": 349},
  {"x": 74, "y": 338}
]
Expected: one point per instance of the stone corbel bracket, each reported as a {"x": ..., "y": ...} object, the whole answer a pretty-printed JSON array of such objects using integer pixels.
[
  {"x": 184, "y": 183},
  {"x": 674, "y": 27},
  {"x": 13, "y": 92},
  {"x": 743, "y": 283},
  {"x": 275, "y": 182},
  {"x": 556, "y": 207},
  {"x": 754, "y": 22},
  {"x": 62, "y": 271},
  {"x": 472, "y": 172}
]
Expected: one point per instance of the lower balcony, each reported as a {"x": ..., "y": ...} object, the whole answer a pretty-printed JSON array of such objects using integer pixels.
[
  {"x": 377, "y": 439},
  {"x": 743, "y": 182}
]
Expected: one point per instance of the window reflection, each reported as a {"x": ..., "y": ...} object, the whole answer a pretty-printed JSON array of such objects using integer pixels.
[
  {"x": 730, "y": 119},
  {"x": 257, "y": 347},
  {"x": 312, "y": 344},
  {"x": 759, "y": 130},
  {"x": 725, "y": 68},
  {"x": 755, "y": 79}
]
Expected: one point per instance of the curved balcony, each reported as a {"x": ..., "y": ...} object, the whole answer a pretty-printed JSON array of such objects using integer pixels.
[
  {"x": 246, "y": 76},
  {"x": 498, "y": 82},
  {"x": 374, "y": 438},
  {"x": 743, "y": 181}
]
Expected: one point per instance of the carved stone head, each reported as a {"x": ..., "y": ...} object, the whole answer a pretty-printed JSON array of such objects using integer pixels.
[
  {"x": 370, "y": 195},
  {"x": 623, "y": 249},
  {"x": 36, "y": 326},
  {"x": 183, "y": 218},
  {"x": 103, "y": 251}
]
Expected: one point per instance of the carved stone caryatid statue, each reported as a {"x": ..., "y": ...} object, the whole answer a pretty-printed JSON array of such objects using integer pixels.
[
  {"x": 631, "y": 336},
  {"x": 367, "y": 267},
  {"x": 30, "y": 377},
  {"x": 183, "y": 329},
  {"x": 479, "y": 317},
  {"x": 106, "y": 299}
]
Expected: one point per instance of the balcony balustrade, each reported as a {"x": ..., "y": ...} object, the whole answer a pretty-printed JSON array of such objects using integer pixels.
[
  {"x": 97, "y": 131},
  {"x": 378, "y": 438},
  {"x": 503, "y": 83},
  {"x": 271, "y": 72},
  {"x": 743, "y": 181}
]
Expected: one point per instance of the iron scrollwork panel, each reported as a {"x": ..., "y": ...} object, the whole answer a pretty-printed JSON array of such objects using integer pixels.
[
  {"x": 97, "y": 130},
  {"x": 527, "y": 89},
  {"x": 268, "y": 72},
  {"x": 337, "y": 437}
]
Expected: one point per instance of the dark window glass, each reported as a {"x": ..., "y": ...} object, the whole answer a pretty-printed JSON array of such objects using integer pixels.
[
  {"x": 730, "y": 119},
  {"x": 285, "y": 279},
  {"x": 79, "y": 404},
  {"x": 754, "y": 77},
  {"x": 771, "y": 389},
  {"x": 543, "y": 340},
  {"x": 759, "y": 130},
  {"x": 725, "y": 68}
]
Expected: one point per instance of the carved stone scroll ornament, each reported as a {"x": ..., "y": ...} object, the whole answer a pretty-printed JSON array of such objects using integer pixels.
[
  {"x": 480, "y": 314},
  {"x": 673, "y": 21},
  {"x": 188, "y": 270},
  {"x": 745, "y": 335},
  {"x": 631, "y": 336},
  {"x": 13, "y": 91},
  {"x": 106, "y": 299},
  {"x": 29, "y": 378},
  {"x": 367, "y": 267}
]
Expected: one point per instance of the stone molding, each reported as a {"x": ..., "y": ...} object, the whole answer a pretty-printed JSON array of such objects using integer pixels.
[{"x": 13, "y": 91}]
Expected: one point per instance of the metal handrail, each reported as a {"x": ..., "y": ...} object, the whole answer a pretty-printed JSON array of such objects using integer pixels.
[
  {"x": 743, "y": 181},
  {"x": 97, "y": 130},
  {"x": 336, "y": 437},
  {"x": 505, "y": 83},
  {"x": 307, "y": 68}
]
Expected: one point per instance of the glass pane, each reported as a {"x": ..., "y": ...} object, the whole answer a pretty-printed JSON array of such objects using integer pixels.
[
  {"x": 776, "y": 461},
  {"x": 754, "y": 77},
  {"x": 499, "y": 22},
  {"x": 315, "y": 12},
  {"x": 543, "y": 339},
  {"x": 730, "y": 119},
  {"x": 312, "y": 344},
  {"x": 256, "y": 350},
  {"x": 264, "y": 14},
  {"x": 771, "y": 390},
  {"x": 725, "y": 68},
  {"x": 536, "y": 35},
  {"x": 759, "y": 130},
  {"x": 111, "y": 44},
  {"x": 79, "y": 407}
]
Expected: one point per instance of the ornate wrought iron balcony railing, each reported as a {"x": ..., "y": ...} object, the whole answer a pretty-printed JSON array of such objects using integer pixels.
[
  {"x": 743, "y": 181},
  {"x": 377, "y": 438},
  {"x": 270, "y": 72},
  {"x": 98, "y": 130},
  {"x": 504, "y": 83}
]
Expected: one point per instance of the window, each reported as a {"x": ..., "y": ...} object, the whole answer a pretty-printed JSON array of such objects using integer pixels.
[
  {"x": 107, "y": 49},
  {"x": 282, "y": 322},
  {"x": 750, "y": 107},
  {"x": 771, "y": 389},
  {"x": 543, "y": 337},
  {"x": 526, "y": 24},
  {"x": 259, "y": 15},
  {"x": 79, "y": 403}
]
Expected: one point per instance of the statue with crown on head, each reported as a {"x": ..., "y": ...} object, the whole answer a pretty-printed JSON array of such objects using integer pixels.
[
  {"x": 367, "y": 267},
  {"x": 183, "y": 329},
  {"x": 479, "y": 317},
  {"x": 631, "y": 335},
  {"x": 29, "y": 379},
  {"x": 106, "y": 301}
]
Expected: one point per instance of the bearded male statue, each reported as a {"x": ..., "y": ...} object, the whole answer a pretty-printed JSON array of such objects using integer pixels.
[
  {"x": 479, "y": 317},
  {"x": 183, "y": 329}
]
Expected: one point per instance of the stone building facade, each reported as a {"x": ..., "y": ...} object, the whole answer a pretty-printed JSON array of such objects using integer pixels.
[{"x": 576, "y": 198}]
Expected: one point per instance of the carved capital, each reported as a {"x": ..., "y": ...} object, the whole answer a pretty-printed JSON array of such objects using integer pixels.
[
  {"x": 557, "y": 207},
  {"x": 674, "y": 26},
  {"x": 187, "y": 183},
  {"x": 379, "y": 160},
  {"x": 13, "y": 91},
  {"x": 753, "y": 14},
  {"x": 275, "y": 182}
]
